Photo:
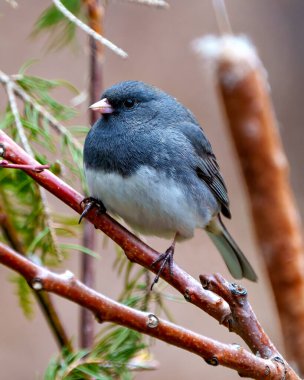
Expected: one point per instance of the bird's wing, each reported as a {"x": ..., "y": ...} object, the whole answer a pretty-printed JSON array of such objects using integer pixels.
[{"x": 207, "y": 167}]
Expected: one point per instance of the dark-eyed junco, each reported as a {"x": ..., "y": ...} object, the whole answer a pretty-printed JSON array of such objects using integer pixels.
[{"x": 148, "y": 161}]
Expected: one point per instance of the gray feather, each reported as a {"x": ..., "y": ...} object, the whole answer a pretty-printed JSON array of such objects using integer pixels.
[{"x": 234, "y": 258}]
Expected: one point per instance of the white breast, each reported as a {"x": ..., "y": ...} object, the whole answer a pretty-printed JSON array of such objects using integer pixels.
[{"x": 148, "y": 201}]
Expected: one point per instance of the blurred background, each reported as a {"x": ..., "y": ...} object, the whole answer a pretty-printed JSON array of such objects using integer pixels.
[{"x": 159, "y": 46}]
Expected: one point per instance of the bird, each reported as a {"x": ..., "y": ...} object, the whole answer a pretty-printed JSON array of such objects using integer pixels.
[{"x": 148, "y": 161}]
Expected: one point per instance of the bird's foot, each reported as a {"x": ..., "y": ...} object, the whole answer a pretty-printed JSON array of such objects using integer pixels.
[
  {"x": 165, "y": 259},
  {"x": 88, "y": 203}
]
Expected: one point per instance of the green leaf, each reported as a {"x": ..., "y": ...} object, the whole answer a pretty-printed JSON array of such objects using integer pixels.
[
  {"x": 77, "y": 247},
  {"x": 24, "y": 294},
  {"x": 31, "y": 248},
  {"x": 94, "y": 373},
  {"x": 61, "y": 30},
  {"x": 27, "y": 65}
]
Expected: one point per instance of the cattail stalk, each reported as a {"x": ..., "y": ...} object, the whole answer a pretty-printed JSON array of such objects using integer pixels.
[{"x": 244, "y": 92}]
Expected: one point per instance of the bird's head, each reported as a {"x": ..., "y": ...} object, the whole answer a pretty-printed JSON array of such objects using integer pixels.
[{"x": 132, "y": 102}]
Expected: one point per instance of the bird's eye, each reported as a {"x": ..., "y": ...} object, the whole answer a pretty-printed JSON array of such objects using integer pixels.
[{"x": 129, "y": 103}]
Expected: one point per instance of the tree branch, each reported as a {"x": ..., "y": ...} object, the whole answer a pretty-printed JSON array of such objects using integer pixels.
[
  {"x": 241, "y": 312},
  {"x": 139, "y": 252},
  {"x": 213, "y": 352},
  {"x": 152, "y": 3},
  {"x": 58, "y": 4}
]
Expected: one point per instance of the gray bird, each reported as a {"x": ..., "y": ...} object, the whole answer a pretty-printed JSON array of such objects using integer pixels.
[{"x": 148, "y": 160}]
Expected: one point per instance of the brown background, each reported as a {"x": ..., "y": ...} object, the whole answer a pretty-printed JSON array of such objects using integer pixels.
[{"x": 158, "y": 43}]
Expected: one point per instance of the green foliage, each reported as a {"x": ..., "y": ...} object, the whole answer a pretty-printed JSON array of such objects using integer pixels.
[
  {"x": 20, "y": 199},
  {"x": 61, "y": 31},
  {"x": 109, "y": 359},
  {"x": 25, "y": 295},
  {"x": 20, "y": 196}
]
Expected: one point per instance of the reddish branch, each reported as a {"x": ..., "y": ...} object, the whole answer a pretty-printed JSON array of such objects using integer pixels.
[
  {"x": 139, "y": 252},
  {"x": 36, "y": 168},
  {"x": 241, "y": 312},
  {"x": 275, "y": 215},
  {"x": 213, "y": 352}
]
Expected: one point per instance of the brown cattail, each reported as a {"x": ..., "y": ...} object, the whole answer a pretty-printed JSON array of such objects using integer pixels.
[{"x": 244, "y": 91}]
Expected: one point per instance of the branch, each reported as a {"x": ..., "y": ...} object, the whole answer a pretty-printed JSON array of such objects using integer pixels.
[
  {"x": 244, "y": 90},
  {"x": 15, "y": 112},
  {"x": 213, "y": 352},
  {"x": 58, "y": 4},
  {"x": 139, "y": 252},
  {"x": 38, "y": 168},
  {"x": 152, "y": 3},
  {"x": 236, "y": 296}
]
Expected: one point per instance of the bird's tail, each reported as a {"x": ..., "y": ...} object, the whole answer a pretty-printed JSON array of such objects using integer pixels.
[{"x": 234, "y": 258}]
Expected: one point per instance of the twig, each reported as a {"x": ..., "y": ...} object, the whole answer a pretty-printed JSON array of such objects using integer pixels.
[
  {"x": 236, "y": 297},
  {"x": 35, "y": 168},
  {"x": 58, "y": 4},
  {"x": 213, "y": 352},
  {"x": 15, "y": 112},
  {"x": 136, "y": 250},
  {"x": 152, "y": 3}
]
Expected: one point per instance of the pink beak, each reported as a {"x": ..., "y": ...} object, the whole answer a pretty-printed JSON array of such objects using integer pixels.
[{"x": 103, "y": 106}]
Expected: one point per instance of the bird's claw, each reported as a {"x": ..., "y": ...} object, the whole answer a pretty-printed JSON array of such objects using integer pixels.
[
  {"x": 88, "y": 203},
  {"x": 166, "y": 259}
]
